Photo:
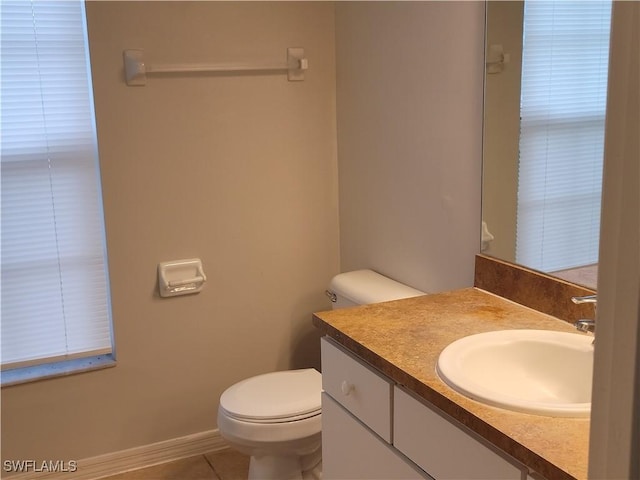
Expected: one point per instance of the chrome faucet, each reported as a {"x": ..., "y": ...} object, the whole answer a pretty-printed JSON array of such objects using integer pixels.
[{"x": 585, "y": 325}]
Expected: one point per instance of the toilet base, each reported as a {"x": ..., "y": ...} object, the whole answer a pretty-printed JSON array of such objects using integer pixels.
[{"x": 290, "y": 467}]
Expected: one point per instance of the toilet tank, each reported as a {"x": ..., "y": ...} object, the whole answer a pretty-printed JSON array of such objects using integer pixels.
[{"x": 366, "y": 286}]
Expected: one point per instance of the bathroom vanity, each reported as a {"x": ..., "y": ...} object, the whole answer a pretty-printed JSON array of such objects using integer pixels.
[{"x": 386, "y": 414}]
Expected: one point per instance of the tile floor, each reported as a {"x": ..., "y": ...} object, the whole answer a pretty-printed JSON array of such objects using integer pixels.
[{"x": 222, "y": 465}]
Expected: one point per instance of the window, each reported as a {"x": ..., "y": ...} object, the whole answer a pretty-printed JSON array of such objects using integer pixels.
[
  {"x": 564, "y": 91},
  {"x": 55, "y": 298}
]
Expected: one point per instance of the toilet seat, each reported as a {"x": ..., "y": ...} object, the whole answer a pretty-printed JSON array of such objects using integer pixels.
[{"x": 276, "y": 397}]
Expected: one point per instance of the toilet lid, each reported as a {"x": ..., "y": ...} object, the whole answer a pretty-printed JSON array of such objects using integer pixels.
[{"x": 292, "y": 394}]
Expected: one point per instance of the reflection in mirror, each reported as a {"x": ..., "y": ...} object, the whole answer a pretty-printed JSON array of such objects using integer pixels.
[{"x": 545, "y": 101}]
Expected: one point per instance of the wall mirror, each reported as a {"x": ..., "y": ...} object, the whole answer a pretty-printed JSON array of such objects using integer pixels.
[{"x": 545, "y": 101}]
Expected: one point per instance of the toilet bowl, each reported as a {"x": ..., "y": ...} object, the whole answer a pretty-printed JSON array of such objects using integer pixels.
[{"x": 276, "y": 418}]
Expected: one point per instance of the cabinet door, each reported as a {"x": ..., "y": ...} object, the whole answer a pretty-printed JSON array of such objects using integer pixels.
[
  {"x": 352, "y": 451},
  {"x": 442, "y": 448}
]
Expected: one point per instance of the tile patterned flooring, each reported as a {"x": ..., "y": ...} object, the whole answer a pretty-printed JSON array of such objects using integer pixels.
[{"x": 222, "y": 465}]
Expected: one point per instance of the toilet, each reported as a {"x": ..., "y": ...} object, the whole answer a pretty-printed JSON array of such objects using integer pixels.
[{"x": 276, "y": 418}]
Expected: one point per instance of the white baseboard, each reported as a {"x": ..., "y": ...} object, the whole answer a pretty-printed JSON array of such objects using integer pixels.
[{"x": 134, "y": 458}]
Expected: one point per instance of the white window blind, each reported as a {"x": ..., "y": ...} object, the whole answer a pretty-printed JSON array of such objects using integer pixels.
[
  {"x": 55, "y": 300},
  {"x": 564, "y": 90}
]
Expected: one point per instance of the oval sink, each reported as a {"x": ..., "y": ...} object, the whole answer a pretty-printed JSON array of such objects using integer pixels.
[{"x": 532, "y": 371}]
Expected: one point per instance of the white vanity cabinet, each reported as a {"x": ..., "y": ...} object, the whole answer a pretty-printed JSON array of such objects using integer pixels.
[
  {"x": 356, "y": 421},
  {"x": 373, "y": 429},
  {"x": 350, "y": 451},
  {"x": 442, "y": 447},
  {"x": 358, "y": 388}
]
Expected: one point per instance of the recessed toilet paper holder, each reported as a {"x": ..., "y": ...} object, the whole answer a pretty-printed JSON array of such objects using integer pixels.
[{"x": 180, "y": 277}]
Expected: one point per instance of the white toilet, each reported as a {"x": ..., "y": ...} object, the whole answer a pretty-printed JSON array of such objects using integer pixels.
[{"x": 275, "y": 418}]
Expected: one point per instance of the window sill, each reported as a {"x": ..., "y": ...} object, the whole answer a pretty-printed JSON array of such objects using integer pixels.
[{"x": 35, "y": 373}]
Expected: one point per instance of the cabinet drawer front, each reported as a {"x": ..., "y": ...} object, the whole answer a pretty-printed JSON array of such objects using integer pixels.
[
  {"x": 443, "y": 449},
  {"x": 357, "y": 387},
  {"x": 350, "y": 451}
]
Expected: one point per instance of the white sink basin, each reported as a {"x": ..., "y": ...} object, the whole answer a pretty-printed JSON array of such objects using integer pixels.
[{"x": 533, "y": 371}]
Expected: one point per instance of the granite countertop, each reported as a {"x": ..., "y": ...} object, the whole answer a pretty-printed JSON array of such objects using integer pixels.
[{"x": 403, "y": 340}]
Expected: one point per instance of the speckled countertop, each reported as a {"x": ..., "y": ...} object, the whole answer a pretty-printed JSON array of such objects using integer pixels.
[{"x": 403, "y": 340}]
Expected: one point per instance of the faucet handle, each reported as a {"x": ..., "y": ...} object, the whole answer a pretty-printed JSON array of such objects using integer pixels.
[{"x": 585, "y": 325}]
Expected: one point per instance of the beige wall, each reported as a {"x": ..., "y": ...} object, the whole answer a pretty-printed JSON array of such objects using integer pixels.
[
  {"x": 410, "y": 78},
  {"x": 239, "y": 171}
]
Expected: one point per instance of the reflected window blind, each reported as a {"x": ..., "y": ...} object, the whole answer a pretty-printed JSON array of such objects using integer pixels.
[
  {"x": 55, "y": 300},
  {"x": 564, "y": 90}
]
